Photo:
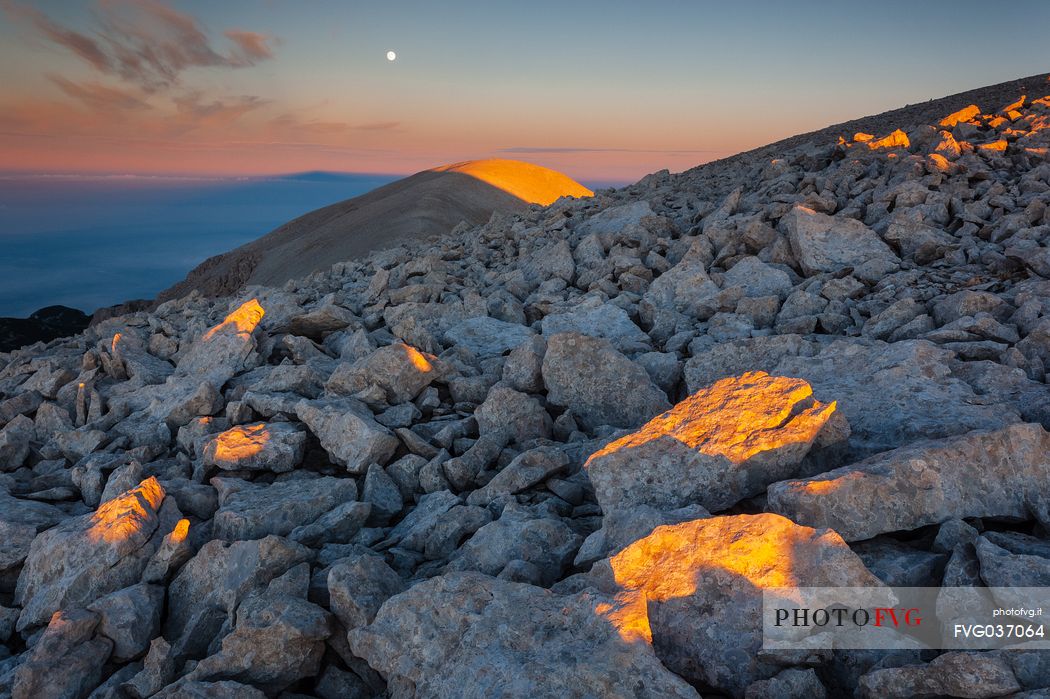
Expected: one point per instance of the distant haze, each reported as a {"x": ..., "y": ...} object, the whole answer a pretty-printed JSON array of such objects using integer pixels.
[
  {"x": 605, "y": 90},
  {"x": 91, "y": 242}
]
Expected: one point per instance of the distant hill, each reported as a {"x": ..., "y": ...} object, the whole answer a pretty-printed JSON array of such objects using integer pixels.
[
  {"x": 43, "y": 326},
  {"x": 427, "y": 203}
]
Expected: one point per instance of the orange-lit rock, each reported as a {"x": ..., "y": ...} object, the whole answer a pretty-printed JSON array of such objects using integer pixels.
[
  {"x": 936, "y": 162},
  {"x": 861, "y": 137},
  {"x": 223, "y": 349},
  {"x": 897, "y": 139},
  {"x": 629, "y": 614},
  {"x": 129, "y": 515},
  {"x": 998, "y": 146},
  {"x": 1013, "y": 106},
  {"x": 87, "y": 557},
  {"x": 724, "y": 443},
  {"x": 948, "y": 146},
  {"x": 399, "y": 370},
  {"x": 241, "y": 321},
  {"x": 964, "y": 114},
  {"x": 181, "y": 531},
  {"x": 175, "y": 549},
  {"x": 703, "y": 583},
  {"x": 260, "y": 446}
]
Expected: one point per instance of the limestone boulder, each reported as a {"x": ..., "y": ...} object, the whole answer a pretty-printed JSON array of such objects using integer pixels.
[
  {"x": 224, "y": 349},
  {"x": 703, "y": 581},
  {"x": 348, "y": 431},
  {"x": 956, "y": 674},
  {"x": 487, "y": 337},
  {"x": 686, "y": 288},
  {"x": 212, "y": 584},
  {"x": 399, "y": 370},
  {"x": 607, "y": 320},
  {"x": 525, "y": 470},
  {"x": 510, "y": 414},
  {"x": 519, "y": 534},
  {"x": 1001, "y": 473},
  {"x": 87, "y": 557},
  {"x": 823, "y": 243},
  {"x": 467, "y": 634},
  {"x": 740, "y": 356},
  {"x": 597, "y": 383},
  {"x": 259, "y": 446},
  {"x": 277, "y": 639},
  {"x": 758, "y": 278},
  {"x": 893, "y": 394},
  {"x": 621, "y": 528},
  {"x": 67, "y": 661},
  {"x": 358, "y": 586},
  {"x": 724, "y": 443},
  {"x": 130, "y": 618},
  {"x": 253, "y": 511}
]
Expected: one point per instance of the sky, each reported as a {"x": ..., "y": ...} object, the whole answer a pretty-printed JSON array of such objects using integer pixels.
[{"x": 603, "y": 91}]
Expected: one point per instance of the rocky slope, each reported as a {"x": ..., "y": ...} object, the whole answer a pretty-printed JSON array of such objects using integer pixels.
[
  {"x": 426, "y": 204},
  {"x": 562, "y": 453}
]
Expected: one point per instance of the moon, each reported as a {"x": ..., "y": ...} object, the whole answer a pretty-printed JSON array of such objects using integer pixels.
[{"x": 390, "y": 56}]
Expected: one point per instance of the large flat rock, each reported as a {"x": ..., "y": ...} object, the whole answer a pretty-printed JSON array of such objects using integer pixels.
[
  {"x": 723, "y": 443},
  {"x": 87, "y": 557},
  {"x": 893, "y": 394},
  {"x": 982, "y": 474},
  {"x": 703, "y": 582},
  {"x": 470, "y": 635}
]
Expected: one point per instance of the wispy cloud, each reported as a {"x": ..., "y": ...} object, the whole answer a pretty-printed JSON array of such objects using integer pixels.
[
  {"x": 146, "y": 43},
  {"x": 100, "y": 97},
  {"x": 291, "y": 123},
  {"x": 378, "y": 126},
  {"x": 253, "y": 46},
  {"x": 193, "y": 110},
  {"x": 524, "y": 149}
]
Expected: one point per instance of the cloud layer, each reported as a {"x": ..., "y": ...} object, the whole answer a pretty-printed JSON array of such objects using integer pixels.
[{"x": 146, "y": 43}]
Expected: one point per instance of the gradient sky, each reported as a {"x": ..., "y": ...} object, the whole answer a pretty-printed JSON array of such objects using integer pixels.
[{"x": 602, "y": 91}]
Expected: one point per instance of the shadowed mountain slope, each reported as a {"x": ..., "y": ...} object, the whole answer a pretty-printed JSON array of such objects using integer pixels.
[{"x": 428, "y": 203}]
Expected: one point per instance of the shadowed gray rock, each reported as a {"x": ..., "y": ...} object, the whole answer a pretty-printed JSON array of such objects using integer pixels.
[
  {"x": 67, "y": 660},
  {"x": 487, "y": 337},
  {"x": 348, "y": 431},
  {"x": 251, "y": 511},
  {"x": 823, "y": 243},
  {"x": 1004, "y": 473},
  {"x": 277, "y": 640},
  {"x": 466, "y": 634},
  {"x": 893, "y": 394},
  {"x": 519, "y": 534},
  {"x": 597, "y": 383},
  {"x": 218, "y": 578},
  {"x": 399, "y": 370},
  {"x": 955, "y": 674}
]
